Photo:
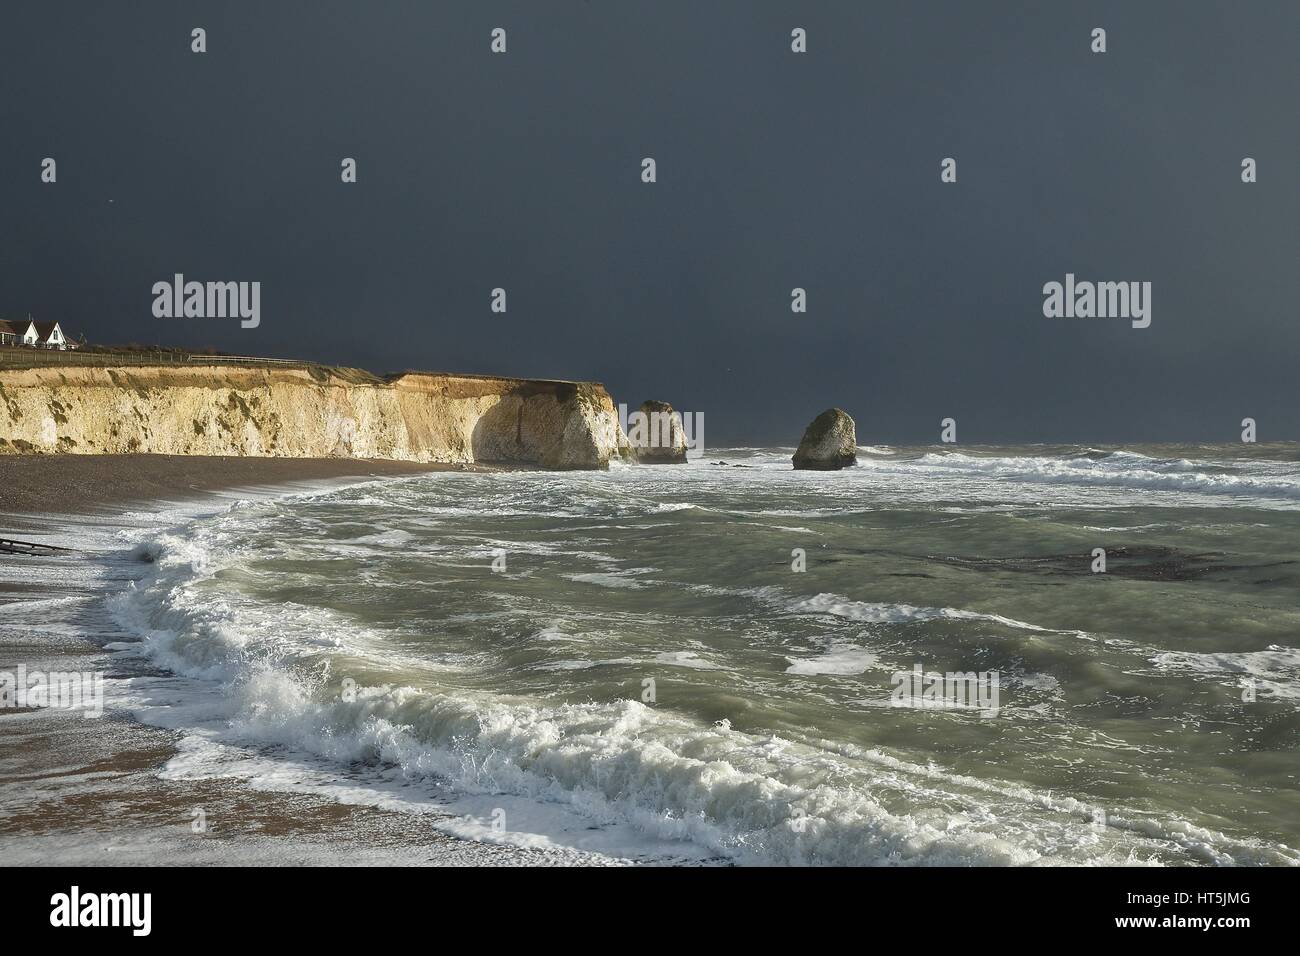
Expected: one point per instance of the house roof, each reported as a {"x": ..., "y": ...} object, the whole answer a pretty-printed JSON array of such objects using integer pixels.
[{"x": 19, "y": 327}]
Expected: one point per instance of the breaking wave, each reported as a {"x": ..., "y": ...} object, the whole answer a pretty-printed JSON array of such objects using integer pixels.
[{"x": 269, "y": 675}]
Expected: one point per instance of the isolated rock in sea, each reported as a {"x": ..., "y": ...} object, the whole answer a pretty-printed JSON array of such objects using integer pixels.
[
  {"x": 830, "y": 442},
  {"x": 656, "y": 436}
]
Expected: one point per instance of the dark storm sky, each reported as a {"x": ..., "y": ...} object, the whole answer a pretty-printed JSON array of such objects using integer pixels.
[{"x": 775, "y": 170}]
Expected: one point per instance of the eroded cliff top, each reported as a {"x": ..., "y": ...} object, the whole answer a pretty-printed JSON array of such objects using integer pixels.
[{"x": 228, "y": 374}]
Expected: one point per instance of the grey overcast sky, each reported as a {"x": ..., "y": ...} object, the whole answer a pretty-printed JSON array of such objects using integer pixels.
[{"x": 775, "y": 170}]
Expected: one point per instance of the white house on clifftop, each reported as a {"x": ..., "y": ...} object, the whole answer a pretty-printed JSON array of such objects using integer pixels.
[{"x": 37, "y": 335}]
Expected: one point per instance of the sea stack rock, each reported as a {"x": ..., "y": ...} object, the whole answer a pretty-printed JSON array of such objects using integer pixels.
[
  {"x": 656, "y": 436},
  {"x": 829, "y": 443}
]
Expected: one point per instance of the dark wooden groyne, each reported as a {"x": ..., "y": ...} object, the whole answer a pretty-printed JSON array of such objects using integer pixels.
[{"x": 10, "y": 546}]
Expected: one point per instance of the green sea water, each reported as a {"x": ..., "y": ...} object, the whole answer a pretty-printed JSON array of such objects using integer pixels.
[{"x": 702, "y": 660}]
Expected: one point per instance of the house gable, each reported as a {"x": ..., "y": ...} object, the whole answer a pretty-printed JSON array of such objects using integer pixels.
[
  {"x": 48, "y": 333},
  {"x": 29, "y": 332},
  {"x": 15, "y": 331}
]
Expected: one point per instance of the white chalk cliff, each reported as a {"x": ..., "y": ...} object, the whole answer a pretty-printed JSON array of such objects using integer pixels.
[{"x": 306, "y": 412}]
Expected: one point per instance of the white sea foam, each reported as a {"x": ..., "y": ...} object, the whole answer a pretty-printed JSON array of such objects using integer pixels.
[
  {"x": 257, "y": 695},
  {"x": 686, "y": 659},
  {"x": 869, "y": 612},
  {"x": 845, "y": 660},
  {"x": 623, "y": 766},
  {"x": 1121, "y": 470},
  {"x": 1273, "y": 672},
  {"x": 607, "y": 580}
]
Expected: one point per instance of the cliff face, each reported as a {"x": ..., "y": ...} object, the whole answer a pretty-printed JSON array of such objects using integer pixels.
[{"x": 307, "y": 412}]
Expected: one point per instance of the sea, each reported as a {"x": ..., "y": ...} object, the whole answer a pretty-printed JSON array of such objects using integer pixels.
[{"x": 729, "y": 662}]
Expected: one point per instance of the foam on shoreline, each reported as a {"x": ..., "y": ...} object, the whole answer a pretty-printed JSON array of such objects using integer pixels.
[{"x": 53, "y": 614}]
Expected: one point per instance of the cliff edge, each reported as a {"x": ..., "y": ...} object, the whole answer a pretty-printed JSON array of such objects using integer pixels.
[{"x": 306, "y": 412}]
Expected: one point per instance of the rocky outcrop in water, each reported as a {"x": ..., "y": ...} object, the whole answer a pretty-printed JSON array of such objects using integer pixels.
[
  {"x": 306, "y": 412},
  {"x": 655, "y": 435},
  {"x": 829, "y": 443}
]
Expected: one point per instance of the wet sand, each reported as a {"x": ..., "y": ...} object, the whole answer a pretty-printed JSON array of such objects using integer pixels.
[{"x": 78, "y": 484}]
